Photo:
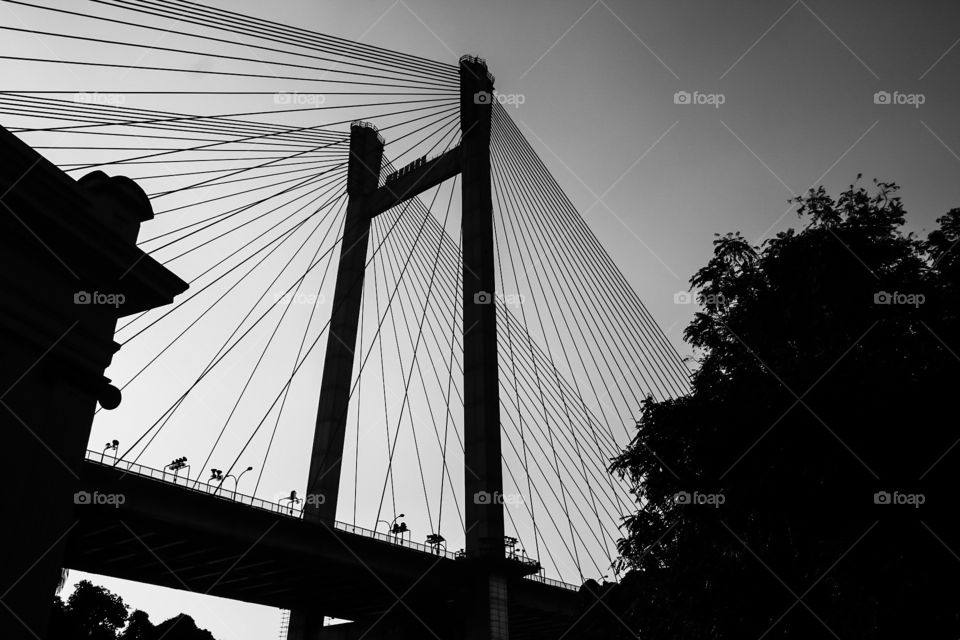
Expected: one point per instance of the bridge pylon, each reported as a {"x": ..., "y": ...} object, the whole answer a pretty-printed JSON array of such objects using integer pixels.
[
  {"x": 484, "y": 599},
  {"x": 486, "y": 605},
  {"x": 363, "y": 174}
]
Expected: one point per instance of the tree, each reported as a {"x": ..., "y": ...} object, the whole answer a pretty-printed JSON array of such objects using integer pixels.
[
  {"x": 179, "y": 627},
  {"x": 91, "y": 612},
  {"x": 94, "y": 613},
  {"x": 800, "y": 490},
  {"x": 138, "y": 627},
  {"x": 60, "y": 626},
  {"x": 182, "y": 627}
]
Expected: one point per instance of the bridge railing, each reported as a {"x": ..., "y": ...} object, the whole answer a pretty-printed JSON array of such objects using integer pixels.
[
  {"x": 290, "y": 511},
  {"x": 553, "y": 583},
  {"x": 192, "y": 484},
  {"x": 392, "y": 539}
]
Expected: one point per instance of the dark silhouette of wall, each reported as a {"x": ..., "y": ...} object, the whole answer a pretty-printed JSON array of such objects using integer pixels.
[{"x": 69, "y": 268}]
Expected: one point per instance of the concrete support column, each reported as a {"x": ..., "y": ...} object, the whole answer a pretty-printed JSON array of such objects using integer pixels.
[
  {"x": 323, "y": 481},
  {"x": 305, "y": 624},
  {"x": 487, "y": 605}
]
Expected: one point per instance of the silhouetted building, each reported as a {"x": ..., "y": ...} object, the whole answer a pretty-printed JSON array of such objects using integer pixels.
[{"x": 69, "y": 268}]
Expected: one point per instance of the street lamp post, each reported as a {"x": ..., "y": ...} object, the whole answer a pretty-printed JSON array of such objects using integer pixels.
[
  {"x": 392, "y": 526},
  {"x": 217, "y": 474},
  {"x": 400, "y": 529},
  {"x": 113, "y": 444},
  {"x": 236, "y": 481},
  {"x": 176, "y": 465},
  {"x": 293, "y": 500},
  {"x": 435, "y": 540}
]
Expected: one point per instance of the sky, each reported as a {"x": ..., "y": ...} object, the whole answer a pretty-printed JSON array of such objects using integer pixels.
[
  {"x": 657, "y": 179},
  {"x": 667, "y": 122}
]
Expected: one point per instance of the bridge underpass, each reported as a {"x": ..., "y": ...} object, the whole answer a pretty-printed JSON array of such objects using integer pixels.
[{"x": 174, "y": 536}]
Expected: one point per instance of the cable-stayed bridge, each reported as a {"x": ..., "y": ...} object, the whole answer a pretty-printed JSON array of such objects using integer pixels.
[{"x": 404, "y": 360}]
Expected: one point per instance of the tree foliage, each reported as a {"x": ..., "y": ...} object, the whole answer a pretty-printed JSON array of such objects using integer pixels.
[
  {"x": 94, "y": 613},
  {"x": 90, "y": 612},
  {"x": 801, "y": 489}
]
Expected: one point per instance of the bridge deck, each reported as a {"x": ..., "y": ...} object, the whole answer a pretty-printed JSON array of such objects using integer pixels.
[{"x": 257, "y": 551}]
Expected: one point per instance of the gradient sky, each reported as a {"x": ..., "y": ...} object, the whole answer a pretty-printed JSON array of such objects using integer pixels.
[{"x": 654, "y": 179}]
